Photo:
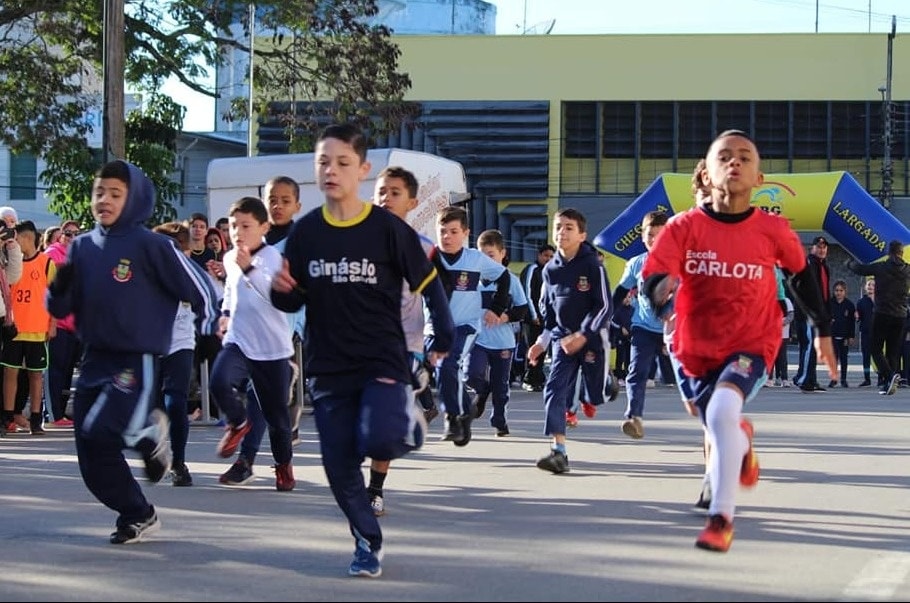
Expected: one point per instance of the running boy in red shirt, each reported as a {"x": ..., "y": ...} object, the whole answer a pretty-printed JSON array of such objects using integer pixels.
[{"x": 727, "y": 333}]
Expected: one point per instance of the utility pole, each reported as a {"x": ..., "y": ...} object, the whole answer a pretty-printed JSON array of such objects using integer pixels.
[
  {"x": 250, "y": 135},
  {"x": 887, "y": 193},
  {"x": 113, "y": 144}
]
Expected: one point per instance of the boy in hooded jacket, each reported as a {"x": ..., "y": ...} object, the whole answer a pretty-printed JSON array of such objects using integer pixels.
[{"x": 123, "y": 284}]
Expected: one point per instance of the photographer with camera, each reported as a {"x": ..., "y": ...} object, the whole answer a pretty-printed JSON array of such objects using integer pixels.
[{"x": 10, "y": 273}]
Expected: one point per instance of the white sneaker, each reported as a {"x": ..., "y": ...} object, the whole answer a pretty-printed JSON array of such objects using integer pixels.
[{"x": 377, "y": 504}]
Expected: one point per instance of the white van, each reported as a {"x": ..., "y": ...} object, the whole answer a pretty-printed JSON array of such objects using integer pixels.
[{"x": 442, "y": 181}]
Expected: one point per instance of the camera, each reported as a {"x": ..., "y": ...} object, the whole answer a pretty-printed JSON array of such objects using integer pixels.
[{"x": 6, "y": 233}]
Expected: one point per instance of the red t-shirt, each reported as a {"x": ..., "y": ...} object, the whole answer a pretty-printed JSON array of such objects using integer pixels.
[{"x": 727, "y": 298}]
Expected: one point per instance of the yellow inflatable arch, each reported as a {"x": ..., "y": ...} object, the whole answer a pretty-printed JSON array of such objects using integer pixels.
[{"x": 831, "y": 201}]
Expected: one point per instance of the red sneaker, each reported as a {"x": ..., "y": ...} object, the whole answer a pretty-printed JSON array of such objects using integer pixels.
[
  {"x": 748, "y": 473},
  {"x": 589, "y": 409},
  {"x": 64, "y": 422},
  {"x": 284, "y": 477},
  {"x": 231, "y": 439},
  {"x": 571, "y": 419},
  {"x": 717, "y": 535}
]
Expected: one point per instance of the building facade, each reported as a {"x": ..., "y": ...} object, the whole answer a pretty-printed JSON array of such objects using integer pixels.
[{"x": 542, "y": 122}]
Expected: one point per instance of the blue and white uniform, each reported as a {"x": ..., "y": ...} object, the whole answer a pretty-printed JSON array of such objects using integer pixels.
[
  {"x": 491, "y": 357},
  {"x": 465, "y": 271}
]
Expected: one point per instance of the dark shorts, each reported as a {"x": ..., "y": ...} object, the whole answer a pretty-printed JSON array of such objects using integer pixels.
[
  {"x": 30, "y": 355},
  {"x": 746, "y": 371}
]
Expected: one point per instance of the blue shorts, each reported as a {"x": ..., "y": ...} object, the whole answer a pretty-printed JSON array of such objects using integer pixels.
[{"x": 746, "y": 371}]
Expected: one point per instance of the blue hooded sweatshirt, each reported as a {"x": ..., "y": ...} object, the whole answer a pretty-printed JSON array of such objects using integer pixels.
[{"x": 126, "y": 281}]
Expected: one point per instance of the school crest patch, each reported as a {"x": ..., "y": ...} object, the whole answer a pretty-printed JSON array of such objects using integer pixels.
[
  {"x": 742, "y": 366},
  {"x": 125, "y": 381},
  {"x": 583, "y": 284},
  {"x": 122, "y": 272},
  {"x": 463, "y": 281}
]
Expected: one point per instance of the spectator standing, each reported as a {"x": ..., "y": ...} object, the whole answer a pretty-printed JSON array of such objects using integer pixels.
[
  {"x": 222, "y": 224},
  {"x": 28, "y": 349},
  {"x": 843, "y": 328},
  {"x": 64, "y": 348},
  {"x": 215, "y": 242},
  {"x": 781, "y": 363},
  {"x": 892, "y": 279},
  {"x": 865, "y": 310},
  {"x": 51, "y": 235},
  {"x": 818, "y": 262},
  {"x": 10, "y": 273}
]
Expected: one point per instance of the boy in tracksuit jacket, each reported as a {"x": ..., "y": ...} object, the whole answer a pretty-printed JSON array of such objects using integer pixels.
[
  {"x": 492, "y": 355},
  {"x": 576, "y": 310},
  {"x": 123, "y": 284},
  {"x": 463, "y": 269}
]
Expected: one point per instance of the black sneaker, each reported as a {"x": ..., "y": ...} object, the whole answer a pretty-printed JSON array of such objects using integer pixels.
[
  {"x": 555, "y": 462},
  {"x": 502, "y": 432},
  {"x": 136, "y": 532},
  {"x": 465, "y": 422},
  {"x": 155, "y": 446},
  {"x": 453, "y": 429},
  {"x": 240, "y": 473},
  {"x": 180, "y": 475},
  {"x": 832, "y": 384},
  {"x": 36, "y": 425},
  {"x": 480, "y": 405},
  {"x": 865, "y": 383}
]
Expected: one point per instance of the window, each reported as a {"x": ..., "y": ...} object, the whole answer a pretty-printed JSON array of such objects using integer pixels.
[
  {"x": 657, "y": 129},
  {"x": 695, "y": 130},
  {"x": 848, "y": 130},
  {"x": 619, "y": 130},
  {"x": 734, "y": 116},
  {"x": 580, "y": 128},
  {"x": 772, "y": 129},
  {"x": 810, "y": 127},
  {"x": 23, "y": 177}
]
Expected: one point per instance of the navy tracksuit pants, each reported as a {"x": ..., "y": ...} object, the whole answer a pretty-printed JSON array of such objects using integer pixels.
[{"x": 115, "y": 393}]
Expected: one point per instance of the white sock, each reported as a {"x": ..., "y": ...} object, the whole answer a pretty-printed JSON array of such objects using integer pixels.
[{"x": 729, "y": 444}]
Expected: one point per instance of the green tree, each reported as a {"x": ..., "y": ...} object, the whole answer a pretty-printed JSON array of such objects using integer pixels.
[
  {"x": 151, "y": 135},
  {"x": 323, "y": 57},
  {"x": 325, "y": 61}
]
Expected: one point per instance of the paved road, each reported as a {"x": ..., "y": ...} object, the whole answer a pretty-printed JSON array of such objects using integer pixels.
[{"x": 829, "y": 520}]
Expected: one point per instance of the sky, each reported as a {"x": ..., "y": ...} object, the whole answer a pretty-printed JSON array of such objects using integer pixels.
[{"x": 655, "y": 17}]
